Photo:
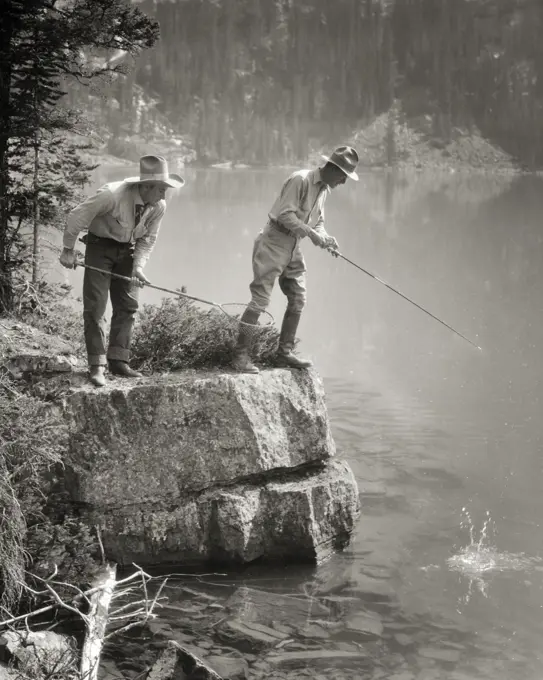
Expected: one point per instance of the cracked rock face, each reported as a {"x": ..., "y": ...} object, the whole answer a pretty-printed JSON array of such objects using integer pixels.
[
  {"x": 305, "y": 518},
  {"x": 210, "y": 466}
]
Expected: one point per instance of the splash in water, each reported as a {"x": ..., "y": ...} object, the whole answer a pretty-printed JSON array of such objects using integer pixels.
[{"x": 481, "y": 557}]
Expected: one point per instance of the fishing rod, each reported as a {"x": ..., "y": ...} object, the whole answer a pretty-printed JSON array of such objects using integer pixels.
[{"x": 336, "y": 253}]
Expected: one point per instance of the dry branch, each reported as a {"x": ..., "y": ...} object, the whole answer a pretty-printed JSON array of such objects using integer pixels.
[
  {"x": 97, "y": 619},
  {"x": 100, "y": 612}
]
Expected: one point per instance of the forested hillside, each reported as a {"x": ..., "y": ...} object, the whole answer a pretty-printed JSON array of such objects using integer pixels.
[{"x": 268, "y": 80}]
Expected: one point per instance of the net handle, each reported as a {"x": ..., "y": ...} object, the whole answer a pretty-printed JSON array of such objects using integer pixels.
[
  {"x": 148, "y": 285},
  {"x": 176, "y": 292}
]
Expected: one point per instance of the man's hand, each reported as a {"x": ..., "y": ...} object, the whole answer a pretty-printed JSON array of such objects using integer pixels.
[
  {"x": 331, "y": 243},
  {"x": 328, "y": 243},
  {"x": 332, "y": 246},
  {"x": 68, "y": 258},
  {"x": 139, "y": 278},
  {"x": 317, "y": 239}
]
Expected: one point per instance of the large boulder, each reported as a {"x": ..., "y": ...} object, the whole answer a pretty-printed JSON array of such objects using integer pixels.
[
  {"x": 200, "y": 466},
  {"x": 304, "y": 516},
  {"x": 163, "y": 437}
]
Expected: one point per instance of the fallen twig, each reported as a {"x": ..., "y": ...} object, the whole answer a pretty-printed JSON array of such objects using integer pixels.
[
  {"x": 100, "y": 612},
  {"x": 97, "y": 620}
]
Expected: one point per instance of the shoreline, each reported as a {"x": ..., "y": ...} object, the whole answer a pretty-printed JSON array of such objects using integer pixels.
[{"x": 229, "y": 166}]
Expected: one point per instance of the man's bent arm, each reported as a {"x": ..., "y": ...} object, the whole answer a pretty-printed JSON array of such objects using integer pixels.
[
  {"x": 83, "y": 214},
  {"x": 290, "y": 203}
]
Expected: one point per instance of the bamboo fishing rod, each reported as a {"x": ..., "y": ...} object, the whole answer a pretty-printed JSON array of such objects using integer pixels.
[{"x": 336, "y": 253}]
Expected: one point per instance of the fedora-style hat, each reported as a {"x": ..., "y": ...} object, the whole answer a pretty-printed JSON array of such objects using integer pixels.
[
  {"x": 155, "y": 169},
  {"x": 346, "y": 159}
]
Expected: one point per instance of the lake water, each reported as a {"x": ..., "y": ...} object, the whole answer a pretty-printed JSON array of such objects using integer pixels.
[{"x": 441, "y": 437}]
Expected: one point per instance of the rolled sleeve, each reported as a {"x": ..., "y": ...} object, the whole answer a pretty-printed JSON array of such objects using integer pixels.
[
  {"x": 145, "y": 244},
  {"x": 82, "y": 215}
]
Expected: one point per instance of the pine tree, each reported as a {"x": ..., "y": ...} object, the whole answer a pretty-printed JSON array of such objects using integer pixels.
[{"x": 45, "y": 47}]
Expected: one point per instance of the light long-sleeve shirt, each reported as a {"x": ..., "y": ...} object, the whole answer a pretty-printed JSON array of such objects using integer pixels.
[
  {"x": 300, "y": 202},
  {"x": 111, "y": 213}
]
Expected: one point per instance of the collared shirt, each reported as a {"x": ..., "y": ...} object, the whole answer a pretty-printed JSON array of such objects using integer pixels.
[
  {"x": 111, "y": 213},
  {"x": 300, "y": 202}
]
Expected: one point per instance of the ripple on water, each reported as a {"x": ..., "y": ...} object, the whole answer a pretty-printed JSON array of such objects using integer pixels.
[
  {"x": 481, "y": 557},
  {"x": 477, "y": 560}
]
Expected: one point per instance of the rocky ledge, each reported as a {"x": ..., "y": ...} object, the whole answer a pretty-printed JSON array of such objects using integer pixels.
[{"x": 209, "y": 466}]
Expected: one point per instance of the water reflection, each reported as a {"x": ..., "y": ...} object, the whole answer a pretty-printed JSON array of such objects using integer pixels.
[{"x": 412, "y": 527}]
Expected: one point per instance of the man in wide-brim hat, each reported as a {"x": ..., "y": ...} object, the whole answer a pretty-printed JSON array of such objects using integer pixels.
[
  {"x": 123, "y": 219},
  {"x": 297, "y": 212}
]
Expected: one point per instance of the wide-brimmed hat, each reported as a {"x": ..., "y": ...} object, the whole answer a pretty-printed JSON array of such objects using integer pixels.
[
  {"x": 346, "y": 159},
  {"x": 155, "y": 169}
]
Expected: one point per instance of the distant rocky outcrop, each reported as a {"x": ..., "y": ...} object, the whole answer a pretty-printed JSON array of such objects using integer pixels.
[{"x": 396, "y": 139}]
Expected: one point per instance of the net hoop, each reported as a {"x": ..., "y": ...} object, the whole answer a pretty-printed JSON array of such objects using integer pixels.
[{"x": 235, "y": 309}]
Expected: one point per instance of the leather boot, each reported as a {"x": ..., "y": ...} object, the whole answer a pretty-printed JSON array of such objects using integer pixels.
[
  {"x": 285, "y": 354},
  {"x": 122, "y": 368},
  {"x": 96, "y": 376},
  {"x": 242, "y": 360}
]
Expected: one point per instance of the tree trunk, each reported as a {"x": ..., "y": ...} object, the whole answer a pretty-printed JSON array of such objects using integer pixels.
[
  {"x": 392, "y": 117},
  {"x": 6, "y": 282},
  {"x": 36, "y": 213}
]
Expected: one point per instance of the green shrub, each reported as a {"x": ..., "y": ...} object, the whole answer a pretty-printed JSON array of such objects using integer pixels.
[
  {"x": 64, "y": 544},
  {"x": 179, "y": 335},
  {"x": 27, "y": 449},
  {"x": 37, "y": 532},
  {"x": 50, "y": 308}
]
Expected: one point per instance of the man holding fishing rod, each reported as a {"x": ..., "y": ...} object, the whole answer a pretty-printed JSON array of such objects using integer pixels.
[
  {"x": 123, "y": 220},
  {"x": 277, "y": 255},
  {"x": 297, "y": 213}
]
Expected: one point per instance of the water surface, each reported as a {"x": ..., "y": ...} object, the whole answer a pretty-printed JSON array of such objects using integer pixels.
[{"x": 431, "y": 427}]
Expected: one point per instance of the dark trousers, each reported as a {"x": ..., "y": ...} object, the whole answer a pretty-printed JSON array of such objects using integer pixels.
[{"x": 116, "y": 258}]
